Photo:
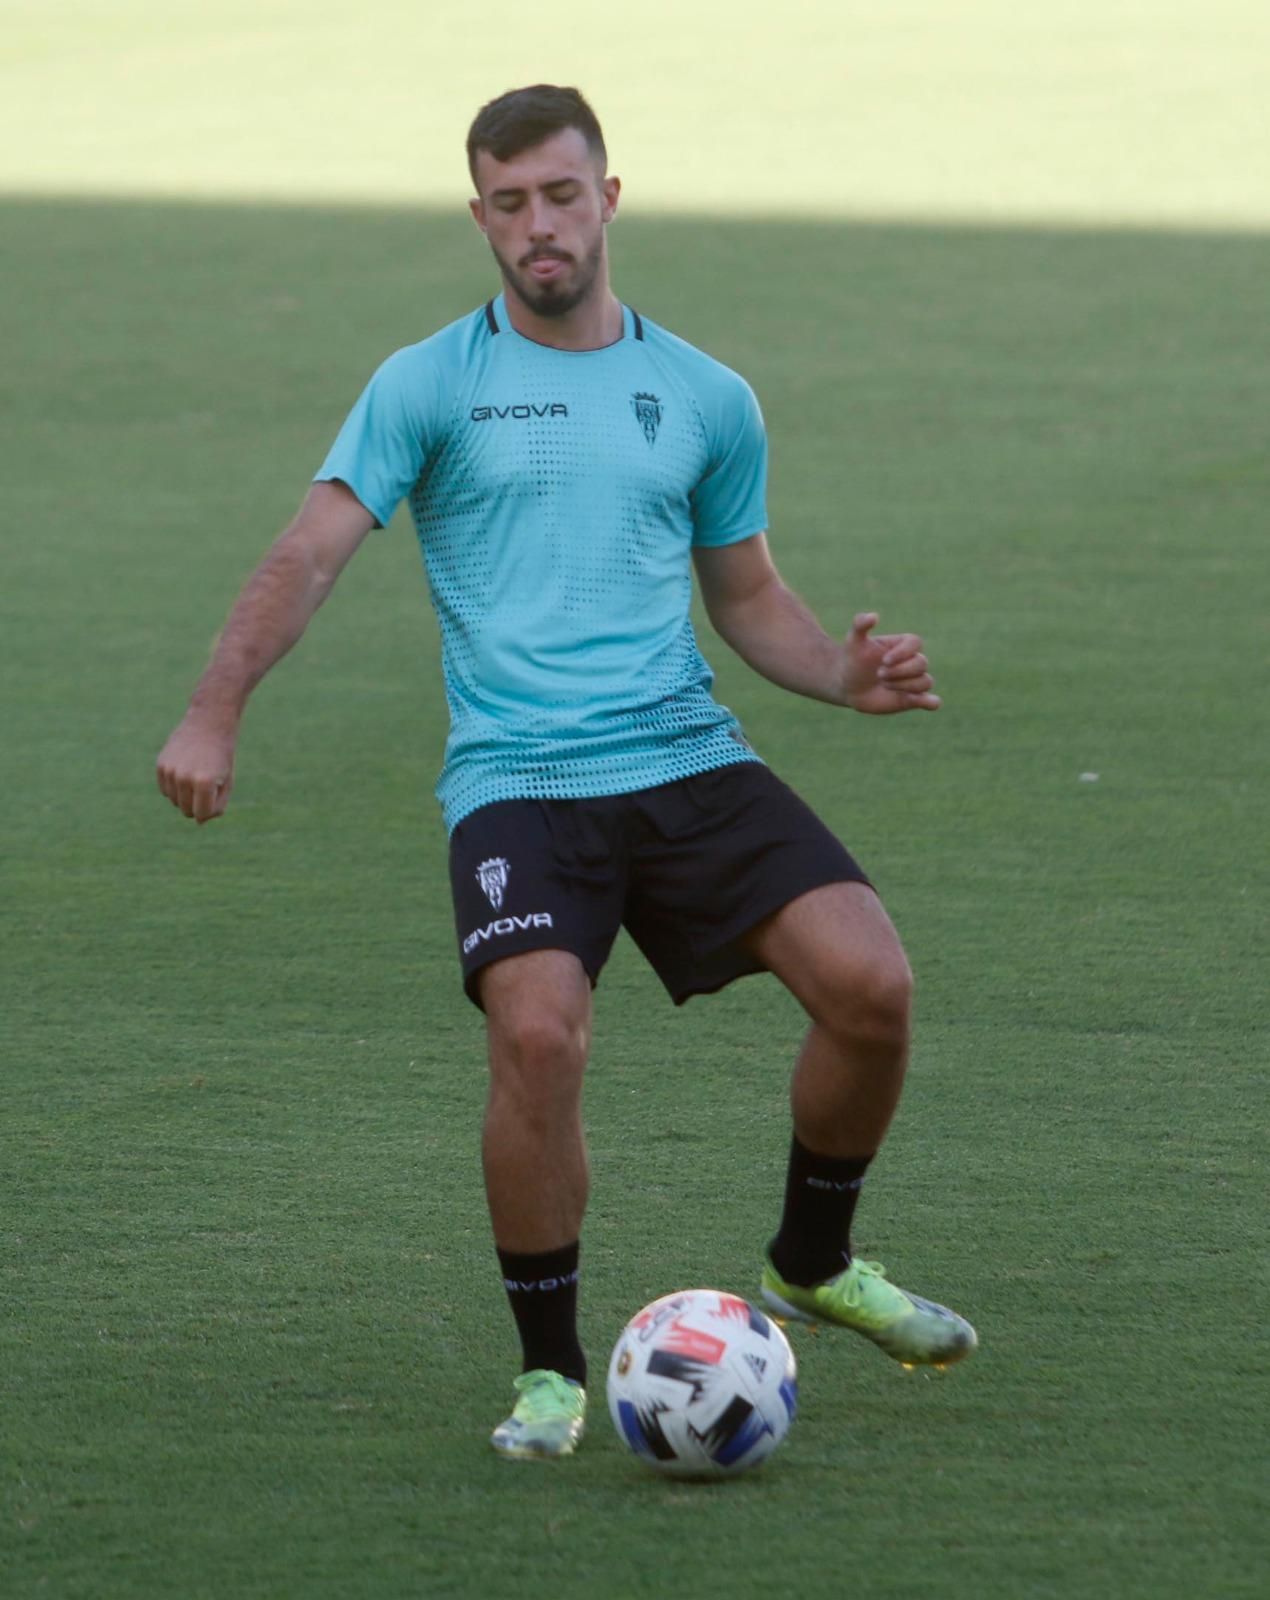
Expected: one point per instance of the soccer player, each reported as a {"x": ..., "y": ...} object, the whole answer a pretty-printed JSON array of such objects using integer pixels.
[{"x": 567, "y": 463}]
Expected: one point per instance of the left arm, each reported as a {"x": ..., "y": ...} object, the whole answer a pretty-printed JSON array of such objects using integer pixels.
[{"x": 773, "y": 631}]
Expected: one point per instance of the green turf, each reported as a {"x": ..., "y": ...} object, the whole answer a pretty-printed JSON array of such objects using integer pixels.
[{"x": 253, "y": 1336}]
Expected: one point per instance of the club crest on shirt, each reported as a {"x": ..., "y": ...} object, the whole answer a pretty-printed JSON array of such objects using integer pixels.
[
  {"x": 493, "y": 875},
  {"x": 647, "y": 414}
]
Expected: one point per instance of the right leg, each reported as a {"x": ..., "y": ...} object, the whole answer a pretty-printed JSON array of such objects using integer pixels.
[
  {"x": 553, "y": 873},
  {"x": 538, "y": 1024}
]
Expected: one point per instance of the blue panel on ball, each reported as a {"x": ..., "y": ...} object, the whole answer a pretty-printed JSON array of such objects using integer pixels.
[
  {"x": 633, "y": 1428},
  {"x": 789, "y": 1394},
  {"x": 742, "y": 1441}
]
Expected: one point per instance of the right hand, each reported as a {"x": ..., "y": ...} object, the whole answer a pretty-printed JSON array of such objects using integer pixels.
[{"x": 196, "y": 769}]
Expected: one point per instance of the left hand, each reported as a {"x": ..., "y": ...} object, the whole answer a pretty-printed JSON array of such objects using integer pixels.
[{"x": 888, "y": 673}]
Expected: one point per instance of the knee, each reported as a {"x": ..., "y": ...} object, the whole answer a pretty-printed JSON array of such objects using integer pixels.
[
  {"x": 539, "y": 1053},
  {"x": 869, "y": 1002}
]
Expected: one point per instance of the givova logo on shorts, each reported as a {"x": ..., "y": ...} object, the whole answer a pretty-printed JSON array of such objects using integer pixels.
[
  {"x": 505, "y": 925},
  {"x": 492, "y": 875}
]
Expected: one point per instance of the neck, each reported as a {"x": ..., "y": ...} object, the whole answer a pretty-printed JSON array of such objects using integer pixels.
[{"x": 591, "y": 325}]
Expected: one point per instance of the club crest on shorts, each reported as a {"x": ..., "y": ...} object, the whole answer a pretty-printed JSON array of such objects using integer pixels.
[
  {"x": 492, "y": 876},
  {"x": 647, "y": 414}
]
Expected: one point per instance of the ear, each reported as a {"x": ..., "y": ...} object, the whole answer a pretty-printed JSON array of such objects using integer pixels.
[
  {"x": 477, "y": 208},
  {"x": 610, "y": 190}
]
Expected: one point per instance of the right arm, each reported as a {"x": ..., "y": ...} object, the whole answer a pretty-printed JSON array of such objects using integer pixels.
[{"x": 196, "y": 765}]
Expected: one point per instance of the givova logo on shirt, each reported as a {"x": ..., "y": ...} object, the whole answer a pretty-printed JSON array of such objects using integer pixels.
[{"x": 522, "y": 413}]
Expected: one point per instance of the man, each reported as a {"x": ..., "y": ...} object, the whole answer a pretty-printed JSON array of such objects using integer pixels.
[{"x": 563, "y": 460}]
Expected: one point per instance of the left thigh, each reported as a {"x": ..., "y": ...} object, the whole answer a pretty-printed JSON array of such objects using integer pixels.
[
  {"x": 835, "y": 948},
  {"x": 718, "y": 855}
]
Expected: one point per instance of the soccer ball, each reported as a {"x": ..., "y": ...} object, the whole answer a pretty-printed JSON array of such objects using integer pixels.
[{"x": 702, "y": 1384}]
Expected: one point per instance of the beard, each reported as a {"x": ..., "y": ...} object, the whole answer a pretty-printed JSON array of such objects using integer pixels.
[{"x": 559, "y": 298}]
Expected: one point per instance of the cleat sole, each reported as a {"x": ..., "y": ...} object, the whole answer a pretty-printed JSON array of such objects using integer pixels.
[{"x": 535, "y": 1455}]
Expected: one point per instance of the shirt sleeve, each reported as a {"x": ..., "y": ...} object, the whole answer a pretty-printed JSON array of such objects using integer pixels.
[
  {"x": 389, "y": 434},
  {"x": 730, "y": 501}
]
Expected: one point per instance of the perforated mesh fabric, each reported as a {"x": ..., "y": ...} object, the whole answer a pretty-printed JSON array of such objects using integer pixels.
[{"x": 556, "y": 496}]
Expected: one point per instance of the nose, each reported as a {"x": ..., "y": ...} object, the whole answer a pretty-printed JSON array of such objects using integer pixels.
[{"x": 540, "y": 225}]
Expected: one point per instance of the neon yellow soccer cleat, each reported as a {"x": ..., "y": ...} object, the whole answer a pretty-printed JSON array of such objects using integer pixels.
[
  {"x": 547, "y": 1420},
  {"x": 916, "y": 1332}
]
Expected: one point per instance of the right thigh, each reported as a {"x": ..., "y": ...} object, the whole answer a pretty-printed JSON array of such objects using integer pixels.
[
  {"x": 536, "y": 876},
  {"x": 537, "y": 1022}
]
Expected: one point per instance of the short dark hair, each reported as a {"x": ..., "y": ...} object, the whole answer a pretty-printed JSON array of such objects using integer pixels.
[{"x": 522, "y": 118}]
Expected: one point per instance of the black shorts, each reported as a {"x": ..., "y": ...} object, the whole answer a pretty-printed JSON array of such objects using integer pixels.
[{"x": 688, "y": 868}]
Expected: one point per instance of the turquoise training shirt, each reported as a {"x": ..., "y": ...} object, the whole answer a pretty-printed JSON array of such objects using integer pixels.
[{"x": 557, "y": 495}]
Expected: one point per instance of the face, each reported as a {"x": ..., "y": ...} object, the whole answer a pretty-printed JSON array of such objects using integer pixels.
[{"x": 544, "y": 214}]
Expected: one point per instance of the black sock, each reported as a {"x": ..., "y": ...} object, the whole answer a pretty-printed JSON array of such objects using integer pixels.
[
  {"x": 814, "y": 1241},
  {"x": 543, "y": 1290}
]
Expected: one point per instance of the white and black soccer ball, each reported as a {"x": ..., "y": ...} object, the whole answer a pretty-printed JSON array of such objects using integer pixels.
[{"x": 702, "y": 1384}]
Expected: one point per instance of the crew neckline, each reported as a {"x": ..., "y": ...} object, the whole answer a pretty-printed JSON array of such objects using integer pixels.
[{"x": 499, "y": 322}]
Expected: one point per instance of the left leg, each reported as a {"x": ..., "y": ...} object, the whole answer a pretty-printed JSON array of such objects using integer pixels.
[
  {"x": 835, "y": 949},
  {"x": 735, "y": 874}
]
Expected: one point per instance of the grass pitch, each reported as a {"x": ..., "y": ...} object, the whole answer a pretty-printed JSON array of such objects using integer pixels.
[{"x": 254, "y": 1336}]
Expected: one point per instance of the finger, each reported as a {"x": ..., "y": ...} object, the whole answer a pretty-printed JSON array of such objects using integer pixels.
[
  {"x": 863, "y": 624},
  {"x": 917, "y": 683},
  {"x": 901, "y": 672},
  {"x": 211, "y": 795},
  {"x": 923, "y": 702},
  {"x": 900, "y": 645},
  {"x": 183, "y": 799},
  {"x": 205, "y": 800}
]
